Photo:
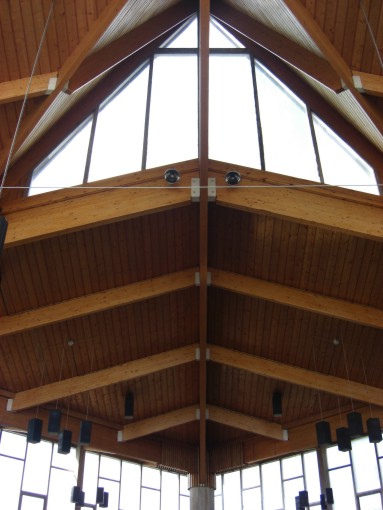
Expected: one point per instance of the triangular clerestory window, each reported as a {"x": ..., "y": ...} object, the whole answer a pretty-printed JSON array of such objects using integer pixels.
[{"x": 152, "y": 120}]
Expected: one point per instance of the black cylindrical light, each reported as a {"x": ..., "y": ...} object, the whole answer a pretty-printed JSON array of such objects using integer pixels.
[
  {"x": 65, "y": 442},
  {"x": 35, "y": 427},
  {"x": 343, "y": 439},
  {"x": 85, "y": 432},
  {"x": 129, "y": 406},
  {"x": 374, "y": 430},
  {"x": 329, "y": 496},
  {"x": 100, "y": 495},
  {"x": 171, "y": 176},
  {"x": 323, "y": 433},
  {"x": 355, "y": 424},
  {"x": 277, "y": 404},
  {"x": 54, "y": 421},
  {"x": 105, "y": 503},
  {"x": 323, "y": 502},
  {"x": 304, "y": 498},
  {"x": 78, "y": 496}
]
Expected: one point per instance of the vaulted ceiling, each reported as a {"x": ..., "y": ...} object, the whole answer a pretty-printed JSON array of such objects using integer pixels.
[{"x": 200, "y": 302}]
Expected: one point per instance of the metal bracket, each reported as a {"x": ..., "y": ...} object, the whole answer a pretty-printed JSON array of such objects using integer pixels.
[
  {"x": 197, "y": 414},
  {"x": 197, "y": 354},
  {"x": 197, "y": 279},
  {"x": 10, "y": 404},
  {"x": 195, "y": 189},
  {"x": 211, "y": 190}
]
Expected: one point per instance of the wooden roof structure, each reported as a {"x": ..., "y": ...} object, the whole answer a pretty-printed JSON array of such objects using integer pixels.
[{"x": 202, "y": 309}]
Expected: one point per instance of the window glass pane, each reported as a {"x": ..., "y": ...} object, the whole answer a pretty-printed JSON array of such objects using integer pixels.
[
  {"x": 60, "y": 489},
  {"x": 250, "y": 477},
  {"x": 365, "y": 465},
  {"x": 119, "y": 136},
  {"x": 185, "y": 503},
  {"x": 221, "y": 38},
  {"x": 173, "y": 110},
  {"x": 341, "y": 165},
  {"x": 371, "y": 502},
  {"x": 13, "y": 444},
  {"x": 184, "y": 485},
  {"x": 291, "y": 490},
  {"x": 110, "y": 468},
  {"x": 272, "y": 486},
  {"x": 218, "y": 484},
  {"x": 113, "y": 488},
  {"x": 37, "y": 467},
  {"x": 251, "y": 499},
  {"x": 233, "y": 133},
  {"x": 379, "y": 447},
  {"x": 65, "y": 461},
  {"x": 150, "y": 499},
  {"x": 381, "y": 469},
  {"x": 151, "y": 477},
  {"x": 218, "y": 503},
  {"x": 292, "y": 467},
  {"x": 11, "y": 471},
  {"x": 286, "y": 131},
  {"x": 169, "y": 491},
  {"x": 90, "y": 477},
  {"x": 188, "y": 38},
  {"x": 310, "y": 461},
  {"x": 336, "y": 458},
  {"x": 130, "y": 486},
  {"x": 64, "y": 167},
  {"x": 232, "y": 490},
  {"x": 343, "y": 489},
  {"x": 31, "y": 503}
]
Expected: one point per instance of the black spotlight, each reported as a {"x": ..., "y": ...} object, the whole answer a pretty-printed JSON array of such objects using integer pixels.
[
  {"x": 78, "y": 496},
  {"x": 374, "y": 430},
  {"x": 105, "y": 502},
  {"x": 85, "y": 432},
  {"x": 100, "y": 495},
  {"x": 64, "y": 442},
  {"x": 35, "y": 427},
  {"x": 129, "y": 406},
  {"x": 277, "y": 404},
  {"x": 54, "y": 421},
  {"x": 329, "y": 496},
  {"x": 355, "y": 424},
  {"x": 232, "y": 178},
  {"x": 323, "y": 504},
  {"x": 343, "y": 439},
  {"x": 323, "y": 433},
  {"x": 171, "y": 176},
  {"x": 3, "y": 231}
]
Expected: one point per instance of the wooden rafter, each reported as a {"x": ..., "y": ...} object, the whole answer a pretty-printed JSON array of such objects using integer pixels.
[
  {"x": 368, "y": 83},
  {"x": 248, "y": 423},
  {"x": 157, "y": 423},
  {"x": 304, "y": 300},
  {"x": 96, "y": 30},
  {"x": 333, "y": 57},
  {"x": 296, "y": 375},
  {"x": 323, "y": 210},
  {"x": 41, "y": 84},
  {"x": 279, "y": 45},
  {"x": 97, "y": 302},
  {"x": 109, "y": 56},
  {"x": 100, "y": 378}
]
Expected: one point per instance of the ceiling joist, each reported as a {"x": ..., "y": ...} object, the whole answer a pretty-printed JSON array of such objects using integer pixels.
[
  {"x": 368, "y": 83},
  {"x": 39, "y": 85},
  {"x": 287, "y": 50},
  {"x": 100, "y": 378},
  {"x": 296, "y": 375},
  {"x": 297, "y": 298},
  {"x": 97, "y": 302}
]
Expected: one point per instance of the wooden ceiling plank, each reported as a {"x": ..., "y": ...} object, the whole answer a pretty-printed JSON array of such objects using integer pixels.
[
  {"x": 97, "y": 302},
  {"x": 41, "y": 84},
  {"x": 246, "y": 422},
  {"x": 73, "y": 62},
  {"x": 304, "y": 300},
  {"x": 157, "y": 423},
  {"x": 308, "y": 208},
  {"x": 368, "y": 83},
  {"x": 103, "y": 60},
  {"x": 296, "y": 375},
  {"x": 100, "y": 378},
  {"x": 333, "y": 57},
  {"x": 287, "y": 50},
  {"x": 90, "y": 210}
]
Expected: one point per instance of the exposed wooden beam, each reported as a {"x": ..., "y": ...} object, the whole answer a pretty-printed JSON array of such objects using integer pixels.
[
  {"x": 248, "y": 423},
  {"x": 300, "y": 204},
  {"x": 97, "y": 302},
  {"x": 297, "y": 298},
  {"x": 284, "y": 48},
  {"x": 157, "y": 423},
  {"x": 73, "y": 62},
  {"x": 333, "y": 57},
  {"x": 100, "y": 378},
  {"x": 368, "y": 83},
  {"x": 41, "y": 84},
  {"x": 99, "y": 206},
  {"x": 296, "y": 375},
  {"x": 122, "y": 48},
  {"x": 203, "y": 150}
]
